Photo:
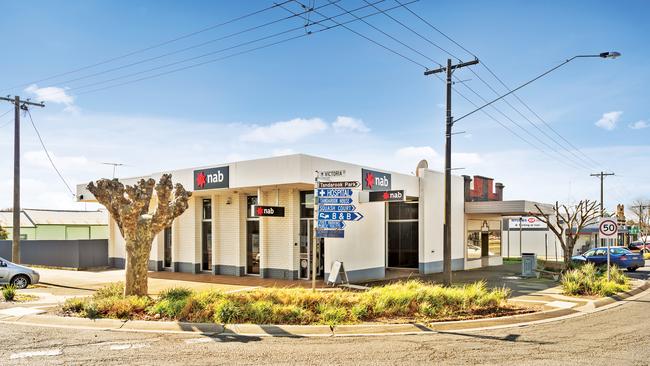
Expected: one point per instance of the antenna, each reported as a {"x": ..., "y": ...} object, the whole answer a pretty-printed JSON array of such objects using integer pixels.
[{"x": 115, "y": 165}]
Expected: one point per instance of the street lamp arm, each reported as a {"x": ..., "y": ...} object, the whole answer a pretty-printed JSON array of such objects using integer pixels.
[{"x": 602, "y": 55}]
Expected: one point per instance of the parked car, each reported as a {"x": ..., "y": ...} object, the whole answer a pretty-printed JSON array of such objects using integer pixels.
[
  {"x": 619, "y": 256},
  {"x": 19, "y": 276},
  {"x": 640, "y": 246}
]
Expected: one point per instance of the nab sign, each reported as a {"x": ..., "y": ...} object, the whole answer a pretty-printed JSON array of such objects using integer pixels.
[
  {"x": 386, "y": 196},
  {"x": 211, "y": 178},
  {"x": 375, "y": 181},
  {"x": 267, "y": 211}
]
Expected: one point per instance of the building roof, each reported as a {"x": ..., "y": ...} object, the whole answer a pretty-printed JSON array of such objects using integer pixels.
[
  {"x": 33, "y": 217},
  {"x": 506, "y": 208}
]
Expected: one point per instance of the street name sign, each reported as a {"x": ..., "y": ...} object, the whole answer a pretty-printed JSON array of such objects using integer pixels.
[
  {"x": 341, "y": 216},
  {"x": 330, "y": 224},
  {"x": 336, "y": 208},
  {"x": 608, "y": 228},
  {"x": 334, "y": 192},
  {"x": 348, "y": 184},
  {"x": 323, "y": 233},
  {"x": 334, "y": 201}
]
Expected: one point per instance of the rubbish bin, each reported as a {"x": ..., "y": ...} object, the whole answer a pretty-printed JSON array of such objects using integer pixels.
[{"x": 528, "y": 264}]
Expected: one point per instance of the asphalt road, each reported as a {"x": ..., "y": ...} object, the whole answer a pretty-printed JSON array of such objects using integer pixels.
[{"x": 617, "y": 336}]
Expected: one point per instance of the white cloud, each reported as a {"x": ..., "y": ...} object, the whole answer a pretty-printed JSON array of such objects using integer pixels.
[
  {"x": 349, "y": 124},
  {"x": 282, "y": 152},
  {"x": 609, "y": 120},
  {"x": 639, "y": 125},
  {"x": 55, "y": 95},
  {"x": 417, "y": 152},
  {"x": 285, "y": 131},
  {"x": 39, "y": 159}
]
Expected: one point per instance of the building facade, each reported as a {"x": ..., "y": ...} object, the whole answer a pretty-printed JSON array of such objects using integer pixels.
[
  {"x": 44, "y": 224},
  {"x": 219, "y": 233}
]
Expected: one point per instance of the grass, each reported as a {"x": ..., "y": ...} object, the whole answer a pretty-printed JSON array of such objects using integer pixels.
[
  {"x": 404, "y": 301},
  {"x": 588, "y": 280},
  {"x": 646, "y": 256},
  {"x": 9, "y": 292}
]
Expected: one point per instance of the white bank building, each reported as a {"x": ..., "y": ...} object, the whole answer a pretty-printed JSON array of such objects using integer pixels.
[{"x": 257, "y": 218}]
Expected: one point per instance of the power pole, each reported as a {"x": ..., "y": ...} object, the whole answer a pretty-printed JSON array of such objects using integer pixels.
[
  {"x": 18, "y": 105},
  {"x": 602, "y": 176},
  {"x": 446, "y": 249}
]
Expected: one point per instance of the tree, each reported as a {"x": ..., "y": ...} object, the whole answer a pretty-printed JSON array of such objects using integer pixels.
[
  {"x": 641, "y": 209},
  {"x": 3, "y": 234},
  {"x": 566, "y": 222},
  {"x": 131, "y": 208}
]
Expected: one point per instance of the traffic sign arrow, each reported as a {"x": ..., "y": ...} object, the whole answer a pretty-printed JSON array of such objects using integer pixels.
[
  {"x": 336, "y": 208},
  {"x": 334, "y": 201},
  {"x": 345, "y": 216},
  {"x": 327, "y": 224},
  {"x": 334, "y": 192}
]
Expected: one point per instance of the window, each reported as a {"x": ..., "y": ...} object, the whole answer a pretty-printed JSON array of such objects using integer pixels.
[
  {"x": 600, "y": 252},
  {"x": 483, "y": 239},
  {"x": 619, "y": 251},
  {"x": 206, "y": 235},
  {"x": 589, "y": 253},
  {"x": 207, "y": 209},
  {"x": 307, "y": 204}
]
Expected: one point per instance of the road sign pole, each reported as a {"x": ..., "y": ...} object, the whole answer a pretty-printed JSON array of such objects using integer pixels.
[
  {"x": 313, "y": 243},
  {"x": 608, "y": 259}
]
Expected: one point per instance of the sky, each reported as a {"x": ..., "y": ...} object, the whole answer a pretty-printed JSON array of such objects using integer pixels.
[{"x": 162, "y": 85}]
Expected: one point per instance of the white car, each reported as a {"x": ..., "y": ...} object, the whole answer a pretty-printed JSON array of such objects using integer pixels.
[{"x": 16, "y": 275}]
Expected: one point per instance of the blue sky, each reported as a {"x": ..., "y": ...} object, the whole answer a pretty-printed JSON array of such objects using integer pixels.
[{"x": 331, "y": 93}]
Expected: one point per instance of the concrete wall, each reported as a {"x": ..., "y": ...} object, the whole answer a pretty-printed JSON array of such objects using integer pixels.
[{"x": 60, "y": 253}]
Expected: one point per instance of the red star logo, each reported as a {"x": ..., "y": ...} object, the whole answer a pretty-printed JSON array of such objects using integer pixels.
[
  {"x": 370, "y": 180},
  {"x": 200, "y": 180},
  {"x": 386, "y": 196},
  {"x": 260, "y": 211}
]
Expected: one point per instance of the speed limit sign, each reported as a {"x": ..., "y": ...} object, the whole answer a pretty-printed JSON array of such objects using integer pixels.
[{"x": 608, "y": 229}]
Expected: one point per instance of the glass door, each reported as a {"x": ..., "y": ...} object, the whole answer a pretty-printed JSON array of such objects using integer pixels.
[{"x": 252, "y": 238}]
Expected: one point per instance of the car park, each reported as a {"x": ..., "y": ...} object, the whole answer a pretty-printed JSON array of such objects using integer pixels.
[
  {"x": 17, "y": 275},
  {"x": 619, "y": 256}
]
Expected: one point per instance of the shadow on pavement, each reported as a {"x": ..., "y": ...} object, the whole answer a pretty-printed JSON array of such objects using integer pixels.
[
  {"x": 508, "y": 338},
  {"x": 234, "y": 338}
]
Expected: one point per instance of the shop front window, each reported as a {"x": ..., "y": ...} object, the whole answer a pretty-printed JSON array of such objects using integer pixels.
[
  {"x": 483, "y": 239},
  {"x": 403, "y": 238}
]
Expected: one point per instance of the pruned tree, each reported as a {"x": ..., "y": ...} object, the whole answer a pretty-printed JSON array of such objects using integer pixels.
[
  {"x": 139, "y": 221},
  {"x": 567, "y": 221},
  {"x": 3, "y": 234}
]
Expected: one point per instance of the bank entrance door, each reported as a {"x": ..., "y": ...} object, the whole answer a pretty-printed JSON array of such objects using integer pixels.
[
  {"x": 167, "y": 251},
  {"x": 252, "y": 239}
]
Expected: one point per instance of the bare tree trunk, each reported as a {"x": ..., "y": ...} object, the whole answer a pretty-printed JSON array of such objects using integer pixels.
[
  {"x": 137, "y": 263},
  {"x": 568, "y": 253}
]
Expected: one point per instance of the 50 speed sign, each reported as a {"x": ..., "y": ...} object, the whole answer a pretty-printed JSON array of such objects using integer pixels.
[{"x": 608, "y": 229}]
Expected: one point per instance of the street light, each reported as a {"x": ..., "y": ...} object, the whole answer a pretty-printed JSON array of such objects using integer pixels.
[{"x": 610, "y": 54}]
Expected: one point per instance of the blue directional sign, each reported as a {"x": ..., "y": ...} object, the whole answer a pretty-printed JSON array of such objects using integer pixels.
[
  {"x": 327, "y": 224},
  {"x": 336, "y": 208},
  {"x": 343, "y": 216},
  {"x": 334, "y": 192},
  {"x": 321, "y": 233},
  {"x": 334, "y": 201}
]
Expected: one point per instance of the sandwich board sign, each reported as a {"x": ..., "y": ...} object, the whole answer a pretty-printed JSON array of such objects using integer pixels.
[{"x": 336, "y": 270}]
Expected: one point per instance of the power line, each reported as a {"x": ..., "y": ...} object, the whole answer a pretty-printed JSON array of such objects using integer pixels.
[
  {"x": 477, "y": 94},
  {"x": 48, "y": 154},
  {"x": 592, "y": 161},
  {"x": 157, "y": 57},
  {"x": 153, "y": 46},
  {"x": 219, "y": 51}
]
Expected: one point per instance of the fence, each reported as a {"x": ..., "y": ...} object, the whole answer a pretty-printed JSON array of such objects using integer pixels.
[{"x": 77, "y": 254}]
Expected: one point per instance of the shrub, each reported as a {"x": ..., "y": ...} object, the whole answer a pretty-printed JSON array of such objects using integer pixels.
[
  {"x": 115, "y": 289},
  {"x": 9, "y": 292},
  {"x": 121, "y": 307},
  {"x": 176, "y": 293},
  {"x": 587, "y": 280},
  {"x": 646, "y": 256},
  {"x": 226, "y": 312},
  {"x": 332, "y": 316},
  {"x": 168, "y": 308},
  {"x": 74, "y": 305}
]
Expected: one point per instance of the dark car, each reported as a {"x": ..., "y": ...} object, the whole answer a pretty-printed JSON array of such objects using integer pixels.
[
  {"x": 639, "y": 246},
  {"x": 619, "y": 256}
]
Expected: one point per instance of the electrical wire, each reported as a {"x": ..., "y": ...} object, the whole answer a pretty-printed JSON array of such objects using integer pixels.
[
  {"x": 218, "y": 51},
  {"x": 579, "y": 161},
  {"x": 241, "y": 17},
  {"x": 47, "y": 152},
  {"x": 591, "y": 160}
]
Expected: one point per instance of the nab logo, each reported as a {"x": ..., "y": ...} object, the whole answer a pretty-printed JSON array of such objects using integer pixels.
[
  {"x": 211, "y": 178},
  {"x": 375, "y": 181}
]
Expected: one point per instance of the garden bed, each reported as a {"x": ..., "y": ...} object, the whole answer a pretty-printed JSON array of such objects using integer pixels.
[
  {"x": 403, "y": 302},
  {"x": 591, "y": 281}
]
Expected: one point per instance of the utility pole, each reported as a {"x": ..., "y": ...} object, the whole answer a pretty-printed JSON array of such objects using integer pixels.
[
  {"x": 18, "y": 105},
  {"x": 446, "y": 249},
  {"x": 602, "y": 176}
]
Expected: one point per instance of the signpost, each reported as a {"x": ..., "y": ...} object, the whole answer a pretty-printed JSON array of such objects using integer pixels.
[
  {"x": 608, "y": 229},
  {"x": 334, "y": 206}
]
